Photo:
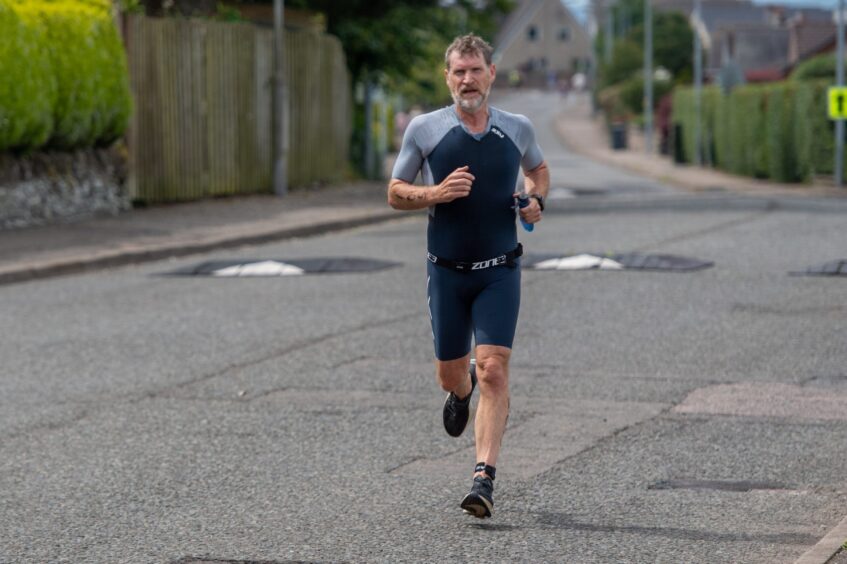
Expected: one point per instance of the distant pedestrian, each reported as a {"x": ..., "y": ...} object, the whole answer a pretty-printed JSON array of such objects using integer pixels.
[{"x": 469, "y": 155}]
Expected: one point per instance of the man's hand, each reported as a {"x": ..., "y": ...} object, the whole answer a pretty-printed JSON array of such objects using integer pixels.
[
  {"x": 532, "y": 212},
  {"x": 456, "y": 185}
]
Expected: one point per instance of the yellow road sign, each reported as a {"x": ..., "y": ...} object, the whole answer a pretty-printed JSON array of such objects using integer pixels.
[{"x": 837, "y": 102}]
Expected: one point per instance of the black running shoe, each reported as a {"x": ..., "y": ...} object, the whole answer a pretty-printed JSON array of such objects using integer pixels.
[
  {"x": 480, "y": 502},
  {"x": 456, "y": 411}
]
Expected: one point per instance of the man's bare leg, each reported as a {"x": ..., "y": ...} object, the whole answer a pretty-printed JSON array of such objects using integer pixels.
[{"x": 492, "y": 371}]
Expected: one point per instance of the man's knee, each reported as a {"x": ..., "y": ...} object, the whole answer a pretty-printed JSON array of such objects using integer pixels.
[
  {"x": 492, "y": 371},
  {"x": 451, "y": 373}
]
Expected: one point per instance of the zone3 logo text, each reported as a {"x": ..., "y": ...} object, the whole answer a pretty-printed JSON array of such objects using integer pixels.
[{"x": 489, "y": 263}]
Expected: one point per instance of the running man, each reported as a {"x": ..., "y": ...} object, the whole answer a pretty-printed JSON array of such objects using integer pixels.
[{"x": 468, "y": 155}]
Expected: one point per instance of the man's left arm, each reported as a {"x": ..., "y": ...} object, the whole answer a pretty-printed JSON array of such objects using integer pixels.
[{"x": 536, "y": 182}]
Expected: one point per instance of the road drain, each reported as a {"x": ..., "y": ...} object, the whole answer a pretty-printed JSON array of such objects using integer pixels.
[
  {"x": 615, "y": 261},
  {"x": 276, "y": 267},
  {"x": 834, "y": 268},
  {"x": 720, "y": 485}
]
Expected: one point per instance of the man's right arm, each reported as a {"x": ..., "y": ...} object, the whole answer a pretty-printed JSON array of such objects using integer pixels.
[{"x": 405, "y": 196}]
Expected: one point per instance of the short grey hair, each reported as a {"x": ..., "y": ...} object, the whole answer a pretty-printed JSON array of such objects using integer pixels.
[{"x": 469, "y": 44}]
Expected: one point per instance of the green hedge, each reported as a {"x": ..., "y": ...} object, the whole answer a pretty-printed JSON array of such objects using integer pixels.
[
  {"x": 821, "y": 67},
  {"x": 778, "y": 131},
  {"x": 87, "y": 84},
  {"x": 815, "y": 134},
  {"x": 27, "y": 84}
]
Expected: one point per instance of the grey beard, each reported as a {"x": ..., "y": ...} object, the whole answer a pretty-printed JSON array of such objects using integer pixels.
[{"x": 471, "y": 107}]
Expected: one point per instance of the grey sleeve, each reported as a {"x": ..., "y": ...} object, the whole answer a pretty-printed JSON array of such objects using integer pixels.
[
  {"x": 532, "y": 156},
  {"x": 410, "y": 159}
]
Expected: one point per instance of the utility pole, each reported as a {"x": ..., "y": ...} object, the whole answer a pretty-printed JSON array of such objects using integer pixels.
[
  {"x": 280, "y": 104},
  {"x": 698, "y": 88},
  {"x": 839, "y": 80},
  {"x": 648, "y": 77},
  {"x": 368, "y": 156},
  {"x": 607, "y": 44}
]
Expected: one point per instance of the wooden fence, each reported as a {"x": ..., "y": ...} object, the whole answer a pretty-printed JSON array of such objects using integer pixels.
[{"x": 203, "y": 118}]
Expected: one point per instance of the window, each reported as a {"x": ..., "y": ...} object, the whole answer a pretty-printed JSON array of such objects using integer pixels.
[
  {"x": 532, "y": 33},
  {"x": 563, "y": 34}
]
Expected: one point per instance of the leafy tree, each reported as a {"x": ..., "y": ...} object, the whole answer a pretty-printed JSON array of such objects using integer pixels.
[
  {"x": 181, "y": 7},
  {"x": 394, "y": 38},
  {"x": 627, "y": 60},
  {"x": 673, "y": 42}
]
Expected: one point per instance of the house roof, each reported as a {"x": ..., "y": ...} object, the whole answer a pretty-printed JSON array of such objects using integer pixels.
[
  {"x": 514, "y": 24},
  {"x": 720, "y": 13},
  {"x": 754, "y": 47},
  {"x": 812, "y": 15},
  {"x": 812, "y": 36}
]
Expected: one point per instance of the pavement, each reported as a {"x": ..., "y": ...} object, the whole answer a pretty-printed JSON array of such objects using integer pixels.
[
  {"x": 181, "y": 229},
  {"x": 153, "y": 233}
]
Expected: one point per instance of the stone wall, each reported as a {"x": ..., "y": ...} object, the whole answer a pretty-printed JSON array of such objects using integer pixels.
[{"x": 50, "y": 187}]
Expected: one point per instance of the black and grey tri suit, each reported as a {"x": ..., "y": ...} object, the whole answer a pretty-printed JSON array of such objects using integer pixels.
[{"x": 483, "y": 303}]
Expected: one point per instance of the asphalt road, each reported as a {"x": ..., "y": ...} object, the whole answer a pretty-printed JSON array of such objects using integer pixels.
[{"x": 656, "y": 417}]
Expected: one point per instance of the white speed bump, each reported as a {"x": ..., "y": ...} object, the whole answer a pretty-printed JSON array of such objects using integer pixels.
[
  {"x": 270, "y": 268},
  {"x": 578, "y": 262},
  {"x": 615, "y": 261},
  {"x": 262, "y": 268}
]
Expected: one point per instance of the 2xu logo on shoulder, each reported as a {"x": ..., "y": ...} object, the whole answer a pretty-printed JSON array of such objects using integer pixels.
[{"x": 497, "y": 132}]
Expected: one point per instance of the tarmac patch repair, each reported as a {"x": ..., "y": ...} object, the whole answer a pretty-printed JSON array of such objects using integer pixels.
[
  {"x": 766, "y": 399},
  {"x": 615, "y": 261},
  {"x": 246, "y": 268}
]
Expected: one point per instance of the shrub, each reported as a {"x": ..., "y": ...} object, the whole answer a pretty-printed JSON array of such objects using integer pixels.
[
  {"x": 27, "y": 86},
  {"x": 816, "y": 68},
  {"x": 611, "y": 102},
  {"x": 814, "y": 132},
  {"x": 779, "y": 136},
  {"x": 632, "y": 93},
  {"x": 65, "y": 80},
  {"x": 627, "y": 59},
  {"x": 92, "y": 101},
  {"x": 778, "y": 131}
]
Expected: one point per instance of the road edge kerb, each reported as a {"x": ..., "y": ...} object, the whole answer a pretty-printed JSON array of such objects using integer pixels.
[
  {"x": 827, "y": 547},
  {"x": 156, "y": 252}
]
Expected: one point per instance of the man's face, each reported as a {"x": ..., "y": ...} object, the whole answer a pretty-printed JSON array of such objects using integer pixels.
[{"x": 469, "y": 80}]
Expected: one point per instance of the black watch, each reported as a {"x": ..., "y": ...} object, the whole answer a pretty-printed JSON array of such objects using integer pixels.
[{"x": 540, "y": 199}]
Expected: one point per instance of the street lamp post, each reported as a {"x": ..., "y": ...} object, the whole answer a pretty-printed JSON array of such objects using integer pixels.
[
  {"x": 839, "y": 79},
  {"x": 607, "y": 44},
  {"x": 698, "y": 88},
  {"x": 648, "y": 77},
  {"x": 280, "y": 104}
]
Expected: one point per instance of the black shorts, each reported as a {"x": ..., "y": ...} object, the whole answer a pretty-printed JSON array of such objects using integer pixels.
[{"x": 483, "y": 304}]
